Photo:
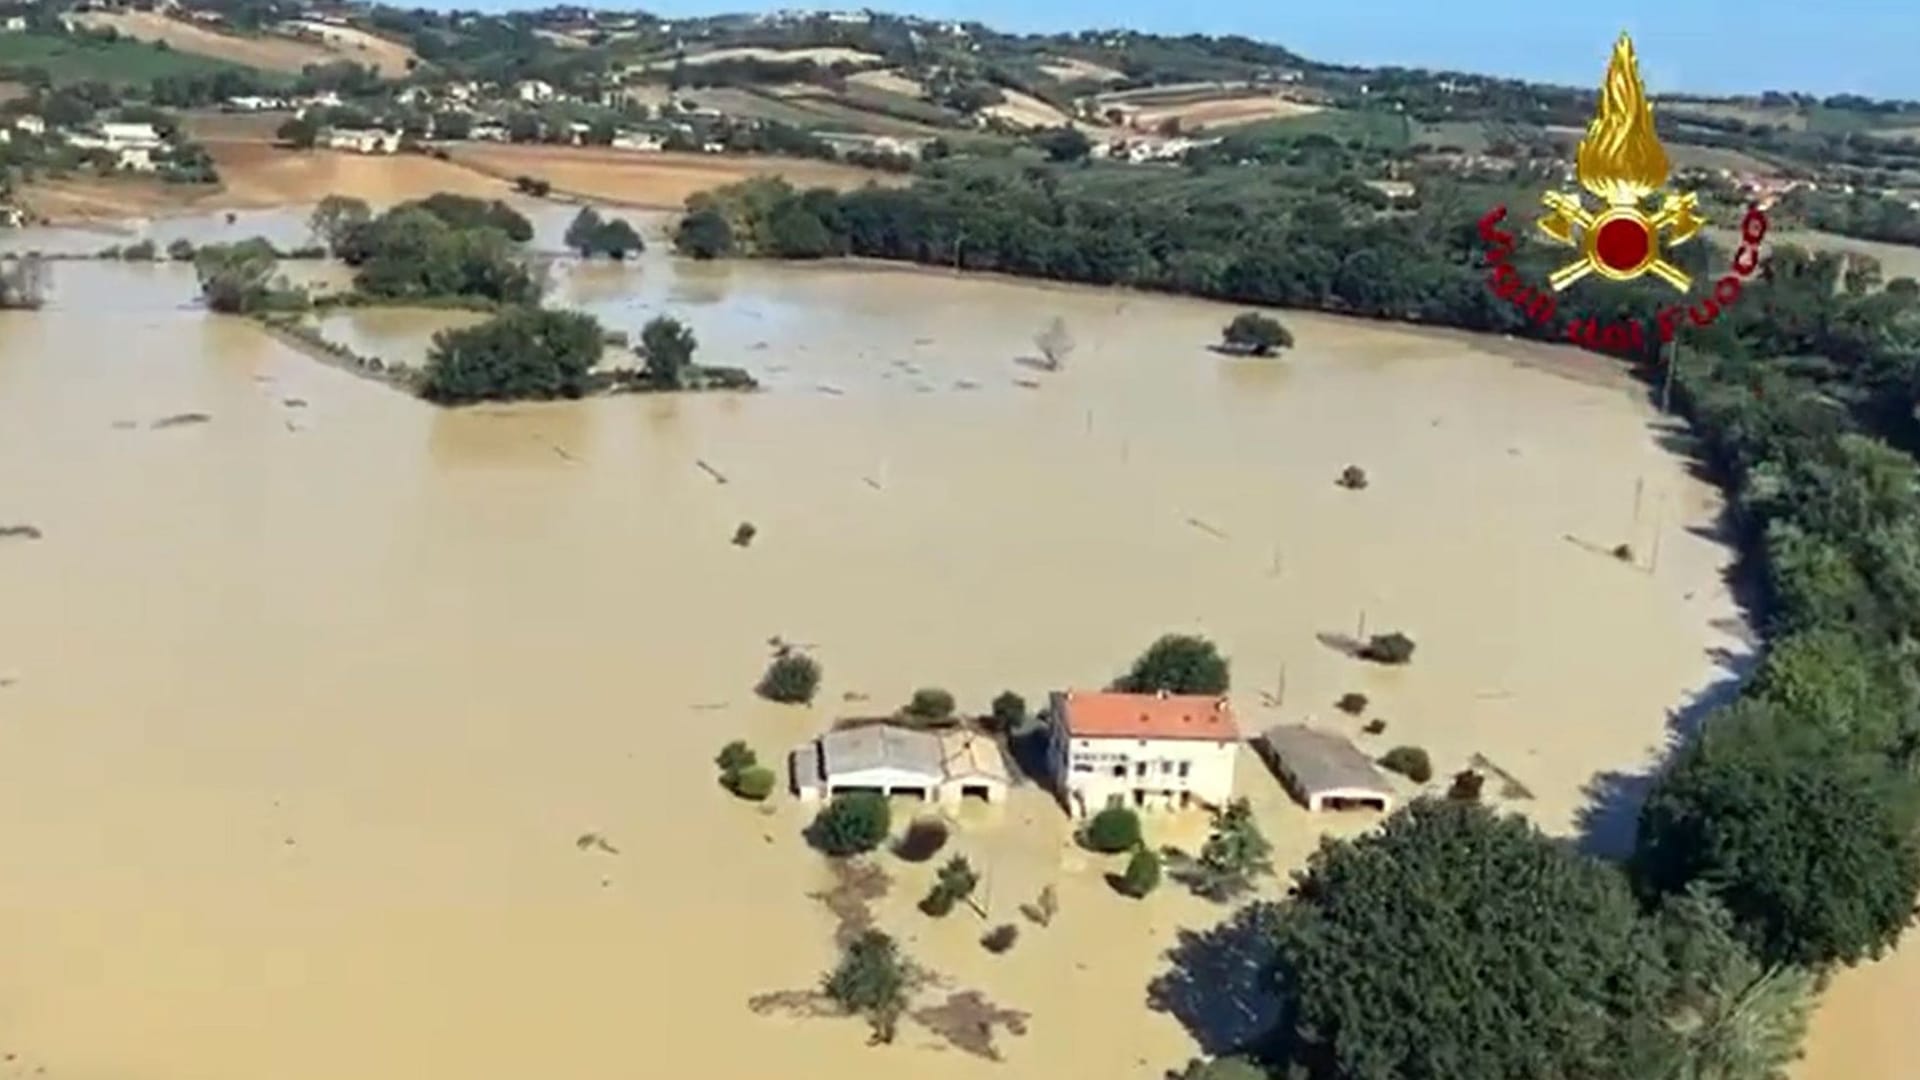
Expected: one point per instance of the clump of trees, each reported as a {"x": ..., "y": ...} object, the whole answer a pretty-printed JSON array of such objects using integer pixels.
[
  {"x": 241, "y": 278},
  {"x": 871, "y": 980},
  {"x": 438, "y": 248},
  {"x": 522, "y": 353},
  {"x": 1352, "y": 703},
  {"x": 590, "y": 234},
  {"x": 1256, "y": 333},
  {"x": 1113, "y": 830},
  {"x": 704, "y": 234},
  {"x": 851, "y": 824},
  {"x": 1177, "y": 664},
  {"x": 1009, "y": 712},
  {"x": 792, "y": 679}
]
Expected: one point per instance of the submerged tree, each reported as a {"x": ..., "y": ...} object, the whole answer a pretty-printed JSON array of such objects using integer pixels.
[
  {"x": 1177, "y": 664},
  {"x": 667, "y": 344},
  {"x": 1256, "y": 333},
  {"x": 23, "y": 283},
  {"x": 871, "y": 981},
  {"x": 521, "y": 353},
  {"x": 239, "y": 278},
  {"x": 1234, "y": 854},
  {"x": 335, "y": 217},
  {"x": 1055, "y": 344}
]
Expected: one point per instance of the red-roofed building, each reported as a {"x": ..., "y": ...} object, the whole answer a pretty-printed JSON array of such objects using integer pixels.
[{"x": 1146, "y": 751}]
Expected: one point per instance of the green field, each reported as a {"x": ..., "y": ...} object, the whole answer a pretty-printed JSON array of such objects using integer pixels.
[{"x": 77, "y": 59}]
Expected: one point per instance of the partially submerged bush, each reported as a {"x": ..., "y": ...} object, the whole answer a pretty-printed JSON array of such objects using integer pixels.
[
  {"x": 851, "y": 824},
  {"x": 754, "y": 783},
  {"x": 792, "y": 679},
  {"x": 956, "y": 883},
  {"x": 1142, "y": 875},
  {"x": 1113, "y": 830},
  {"x": 1466, "y": 786},
  {"x": 930, "y": 703},
  {"x": 1394, "y": 648},
  {"x": 924, "y": 839},
  {"x": 1409, "y": 761},
  {"x": 1009, "y": 711},
  {"x": 1000, "y": 938},
  {"x": 1375, "y": 726},
  {"x": 744, "y": 535},
  {"x": 1352, "y": 704},
  {"x": 871, "y": 980},
  {"x": 735, "y": 756},
  {"x": 1353, "y": 478}
]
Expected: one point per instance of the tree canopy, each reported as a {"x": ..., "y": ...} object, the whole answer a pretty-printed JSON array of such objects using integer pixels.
[
  {"x": 1177, "y": 664},
  {"x": 520, "y": 353}
]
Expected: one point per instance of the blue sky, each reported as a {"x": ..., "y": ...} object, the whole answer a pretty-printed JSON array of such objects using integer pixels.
[{"x": 1869, "y": 47}]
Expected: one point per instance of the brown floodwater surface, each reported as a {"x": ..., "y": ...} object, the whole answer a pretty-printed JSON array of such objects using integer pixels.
[{"x": 306, "y": 706}]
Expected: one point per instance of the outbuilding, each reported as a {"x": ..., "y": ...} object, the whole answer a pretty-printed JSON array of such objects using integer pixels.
[
  {"x": 1323, "y": 770},
  {"x": 971, "y": 766},
  {"x": 881, "y": 758}
]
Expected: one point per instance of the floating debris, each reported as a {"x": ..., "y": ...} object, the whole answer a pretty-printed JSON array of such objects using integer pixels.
[
  {"x": 180, "y": 420},
  {"x": 829, "y": 388},
  {"x": 19, "y": 532},
  {"x": 294, "y": 402},
  {"x": 125, "y": 425},
  {"x": 593, "y": 841},
  {"x": 718, "y": 476},
  {"x": 1031, "y": 384},
  {"x": 1510, "y": 785},
  {"x": 1206, "y": 528},
  {"x": 744, "y": 535},
  {"x": 965, "y": 384}
]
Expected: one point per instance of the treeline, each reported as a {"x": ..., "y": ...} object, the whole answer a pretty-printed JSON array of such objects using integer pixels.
[
  {"x": 1779, "y": 843},
  {"x": 441, "y": 247}
]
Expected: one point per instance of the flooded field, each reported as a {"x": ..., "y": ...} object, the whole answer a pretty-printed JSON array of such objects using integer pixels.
[{"x": 304, "y": 707}]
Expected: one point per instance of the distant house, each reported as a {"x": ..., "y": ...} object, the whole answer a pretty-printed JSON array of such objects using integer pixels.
[
  {"x": 361, "y": 140},
  {"x": 1147, "y": 751},
  {"x": 1323, "y": 770},
  {"x": 13, "y": 24},
  {"x": 253, "y": 103},
  {"x": 130, "y": 146},
  {"x": 893, "y": 760},
  {"x": 533, "y": 91},
  {"x": 30, "y": 124},
  {"x": 489, "y": 132}
]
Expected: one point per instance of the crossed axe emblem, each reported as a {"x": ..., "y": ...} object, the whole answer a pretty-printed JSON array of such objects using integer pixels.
[{"x": 1622, "y": 241}]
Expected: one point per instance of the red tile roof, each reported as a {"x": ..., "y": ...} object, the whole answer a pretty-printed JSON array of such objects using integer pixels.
[{"x": 1107, "y": 715}]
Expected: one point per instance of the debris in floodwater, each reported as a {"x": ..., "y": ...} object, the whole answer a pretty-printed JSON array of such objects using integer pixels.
[
  {"x": 744, "y": 535},
  {"x": 180, "y": 420},
  {"x": 125, "y": 425},
  {"x": 294, "y": 403},
  {"x": 19, "y": 532},
  {"x": 593, "y": 841}
]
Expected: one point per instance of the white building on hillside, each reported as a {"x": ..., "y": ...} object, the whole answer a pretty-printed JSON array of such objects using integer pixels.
[
  {"x": 13, "y": 24},
  {"x": 30, "y": 124},
  {"x": 131, "y": 146},
  {"x": 361, "y": 141},
  {"x": 1145, "y": 751},
  {"x": 638, "y": 140},
  {"x": 489, "y": 132},
  {"x": 534, "y": 91}
]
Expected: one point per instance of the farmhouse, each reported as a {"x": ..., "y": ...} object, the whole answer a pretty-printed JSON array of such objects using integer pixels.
[
  {"x": 12, "y": 24},
  {"x": 894, "y": 760},
  {"x": 1323, "y": 770},
  {"x": 361, "y": 140},
  {"x": 1148, "y": 751},
  {"x": 131, "y": 146}
]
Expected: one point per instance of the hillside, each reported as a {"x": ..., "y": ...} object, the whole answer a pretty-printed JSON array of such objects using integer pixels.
[{"x": 288, "y": 48}]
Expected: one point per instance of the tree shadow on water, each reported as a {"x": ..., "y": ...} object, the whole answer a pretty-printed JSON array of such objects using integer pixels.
[{"x": 1220, "y": 983}]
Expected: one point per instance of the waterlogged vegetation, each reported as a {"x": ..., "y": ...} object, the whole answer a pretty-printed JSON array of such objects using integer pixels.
[{"x": 1780, "y": 843}]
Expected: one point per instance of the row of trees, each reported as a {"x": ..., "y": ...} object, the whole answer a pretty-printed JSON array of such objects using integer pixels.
[
  {"x": 443, "y": 246},
  {"x": 1781, "y": 840}
]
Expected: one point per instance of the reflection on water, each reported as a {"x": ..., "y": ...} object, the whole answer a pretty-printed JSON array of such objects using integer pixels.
[{"x": 310, "y": 702}]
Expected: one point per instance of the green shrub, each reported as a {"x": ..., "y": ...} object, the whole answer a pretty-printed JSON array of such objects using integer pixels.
[
  {"x": 180, "y": 250},
  {"x": 1394, "y": 648},
  {"x": 791, "y": 679},
  {"x": 1009, "y": 712},
  {"x": 1142, "y": 875},
  {"x": 754, "y": 782},
  {"x": 852, "y": 824},
  {"x": 1256, "y": 333},
  {"x": 930, "y": 703},
  {"x": 1113, "y": 830},
  {"x": 1409, "y": 761},
  {"x": 1352, "y": 704},
  {"x": 924, "y": 839},
  {"x": 1000, "y": 938},
  {"x": 735, "y": 756},
  {"x": 1177, "y": 664}
]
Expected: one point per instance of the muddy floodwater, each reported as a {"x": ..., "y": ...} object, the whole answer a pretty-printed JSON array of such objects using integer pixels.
[{"x": 306, "y": 706}]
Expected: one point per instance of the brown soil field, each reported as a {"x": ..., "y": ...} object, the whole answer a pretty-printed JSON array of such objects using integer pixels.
[
  {"x": 259, "y": 174},
  {"x": 98, "y": 201},
  {"x": 659, "y": 181},
  {"x": 1027, "y": 111},
  {"x": 389, "y": 58},
  {"x": 1224, "y": 112},
  {"x": 822, "y": 56},
  {"x": 891, "y": 80},
  {"x": 270, "y": 53},
  {"x": 1793, "y": 119},
  {"x": 1066, "y": 69}
]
